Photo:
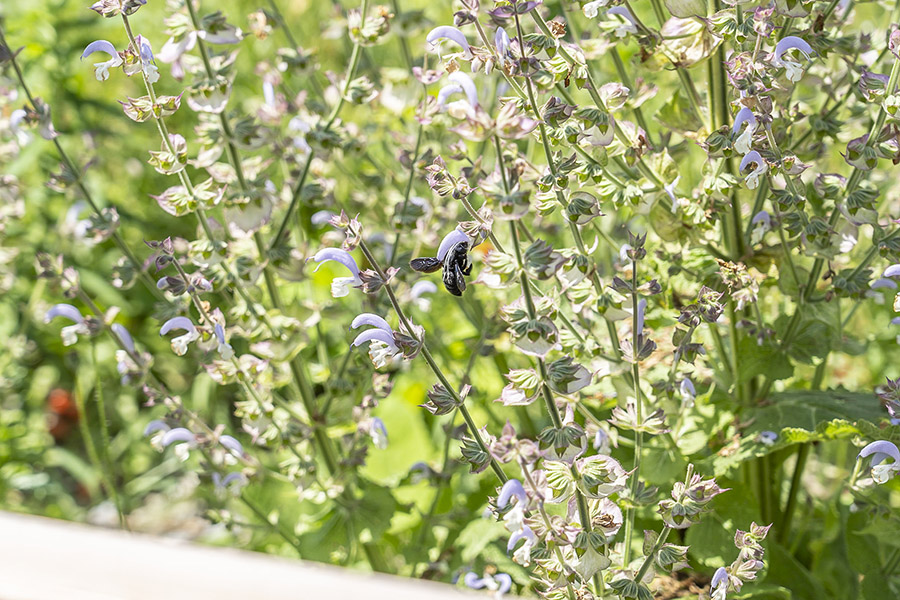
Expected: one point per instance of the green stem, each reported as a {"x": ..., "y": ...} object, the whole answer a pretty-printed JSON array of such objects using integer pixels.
[
  {"x": 108, "y": 474},
  {"x": 787, "y": 517},
  {"x": 648, "y": 560},
  {"x": 407, "y": 192},
  {"x": 636, "y": 337}
]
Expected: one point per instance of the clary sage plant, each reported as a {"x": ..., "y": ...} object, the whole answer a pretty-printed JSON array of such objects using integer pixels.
[{"x": 623, "y": 255}]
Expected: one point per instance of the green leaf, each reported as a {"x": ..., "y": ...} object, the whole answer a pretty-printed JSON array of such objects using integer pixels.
[
  {"x": 761, "y": 359},
  {"x": 817, "y": 334},
  {"x": 477, "y": 535},
  {"x": 678, "y": 114},
  {"x": 802, "y": 416},
  {"x": 763, "y": 591},
  {"x": 785, "y": 570},
  {"x": 662, "y": 465},
  {"x": 822, "y": 412}
]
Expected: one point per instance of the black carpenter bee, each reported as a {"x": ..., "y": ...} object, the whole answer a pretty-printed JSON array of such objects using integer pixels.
[{"x": 456, "y": 265}]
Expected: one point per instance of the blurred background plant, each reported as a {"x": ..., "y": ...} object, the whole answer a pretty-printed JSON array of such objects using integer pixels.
[{"x": 74, "y": 441}]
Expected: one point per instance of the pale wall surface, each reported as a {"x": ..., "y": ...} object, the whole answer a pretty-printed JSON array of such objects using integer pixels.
[{"x": 45, "y": 559}]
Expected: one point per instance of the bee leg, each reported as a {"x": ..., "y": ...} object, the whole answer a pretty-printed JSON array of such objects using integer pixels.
[
  {"x": 450, "y": 280},
  {"x": 460, "y": 279}
]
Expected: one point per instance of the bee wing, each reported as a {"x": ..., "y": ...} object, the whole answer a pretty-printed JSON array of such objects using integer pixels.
[{"x": 427, "y": 264}]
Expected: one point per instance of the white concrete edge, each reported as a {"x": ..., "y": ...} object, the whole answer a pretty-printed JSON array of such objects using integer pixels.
[{"x": 46, "y": 559}]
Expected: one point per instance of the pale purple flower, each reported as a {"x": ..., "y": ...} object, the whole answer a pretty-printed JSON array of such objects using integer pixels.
[
  {"x": 719, "y": 584},
  {"x": 742, "y": 143},
  {"x": 299, "y": 125},
  {"x": 372, "y": 320},
  {"x": 66, "y": 311},
  {"x": 156, "y": 429},
  {"x": 523, "y": 534},
  {"x": 233, "y": 482},
  {"x": 762, "y": 167},
  {"x": 232, "y": 444},
  {"x": 378, "y": 433},
  {"x": 459, "y": 82},
  {"x": 148, "y": 65},
  {"x": 687, "y": 391},
  {"x": 629, "y": 25},
  {"x": 340, "y": 286},
  {"x": 269, "y": 94},
  {"x": 501, "y": 42},
  {"x": 180, "y": 343},
  {"x": 762, "y": 224},
  {"x": 16, "y": 118},
  {"x": 623, "y": 253},
  {"x": 383, "y": 349},
  {"x": 499, "y": 582},
  {"x": 762, "y": 217},
  {"x": 124, "y": 336},
  {"x": 892, "y": 271},
  {"x": 224, "y": 348},
  {"x": 125, "y": 365},
  {"x": 445, "y": 32},
  {"x": 592, "y": 9},
  {"x": 641, "y": 307},
  {"x": 767, "y": 438},
  {"x": 670, "y": 189},
  {"x": 602, "y": 441},
  {"x": 322, "y": 217},
  {"x": 154, "y": 426},
  {"x": 511, "y": 489},
  {"x": 793, "y": 70},
  {"x": 175, "y": 47},
  {"x": 523, "y": 554},
  {"x": 882, "y": 283},
  {"x": 69, "y": 333},
  {"x": 514, "y": 519},
  {"x": 879, "y": 451},
  {"x": 447, "y": 91},
  {"x": 417, "y": 292},
  {"x": 184, "y": 438},
  {"x": 101, "y": 69},
  {"x": 225, "y": 34}
]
